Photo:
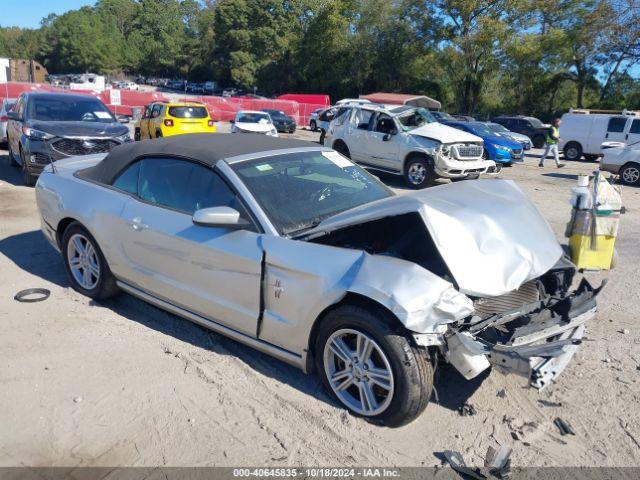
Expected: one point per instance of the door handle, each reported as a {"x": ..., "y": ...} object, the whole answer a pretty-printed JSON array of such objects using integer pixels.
[
  {"x": 607, "y": 135},
  {"x": 136, "y": 224}
]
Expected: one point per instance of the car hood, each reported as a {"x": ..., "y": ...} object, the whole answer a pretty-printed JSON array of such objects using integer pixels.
[
  {"x": 516, "y": 136},
  {"x": 492, "y": 238},
  {"x": 80, "y": 129},
  {"x": 444, "y": 133},
  {"x": 254, "y": 127},
  {"x": 503, "y": 141}
]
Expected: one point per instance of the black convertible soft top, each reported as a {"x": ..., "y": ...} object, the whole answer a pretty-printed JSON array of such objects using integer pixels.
[{"x": 207, "y": 148}]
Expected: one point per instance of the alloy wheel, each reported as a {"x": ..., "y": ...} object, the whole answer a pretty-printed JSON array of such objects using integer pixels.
[
  {"x": 83, "y": 261},
  {"x": 631, "y": 174},
  {"x": 358, "y": 371},
  {"x": 417, "y": 173}
]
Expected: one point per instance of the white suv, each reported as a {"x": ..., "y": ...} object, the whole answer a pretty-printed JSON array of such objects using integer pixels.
[{"x": 408, "y": 141}]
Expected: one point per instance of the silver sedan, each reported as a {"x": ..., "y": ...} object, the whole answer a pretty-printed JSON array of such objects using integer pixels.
[{"x": 291, "y": 248}]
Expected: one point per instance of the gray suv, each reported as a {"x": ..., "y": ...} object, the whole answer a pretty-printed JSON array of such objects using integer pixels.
[{"x": 45, "y": 127}]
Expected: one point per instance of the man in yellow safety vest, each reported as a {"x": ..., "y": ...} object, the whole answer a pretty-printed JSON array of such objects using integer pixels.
[{"x": 553, "y": 136}]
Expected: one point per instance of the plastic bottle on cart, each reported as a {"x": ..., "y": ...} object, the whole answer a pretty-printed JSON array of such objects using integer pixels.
[{"x": 581, "y": 195}]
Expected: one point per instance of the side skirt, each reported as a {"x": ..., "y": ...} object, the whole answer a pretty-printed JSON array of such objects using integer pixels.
[{"x": 265, "y": 347}]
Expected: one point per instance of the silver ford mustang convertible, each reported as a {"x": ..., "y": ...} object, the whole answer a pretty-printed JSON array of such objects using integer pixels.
[{"x": 289, "y": 247}]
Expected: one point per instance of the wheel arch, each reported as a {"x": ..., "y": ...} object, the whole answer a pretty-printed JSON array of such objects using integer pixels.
[
  {"x": 417, "y": 154},
  {"x": 339, "y": 141},
  {"x": 354, "y": 299},
  {"x": 62, "y": 225}
]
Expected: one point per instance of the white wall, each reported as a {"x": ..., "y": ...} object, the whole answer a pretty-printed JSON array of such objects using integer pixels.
[{"x": 4, "y": 69}]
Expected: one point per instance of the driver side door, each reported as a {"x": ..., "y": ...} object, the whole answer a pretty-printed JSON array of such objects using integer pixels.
[
  {"x": 212, "y": 271},
  {"x": 383, "y": 146},
  {"x": 359, "y": 133}
]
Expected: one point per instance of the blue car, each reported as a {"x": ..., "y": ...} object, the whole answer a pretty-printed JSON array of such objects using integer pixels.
[{"x": 497, "y": 148}]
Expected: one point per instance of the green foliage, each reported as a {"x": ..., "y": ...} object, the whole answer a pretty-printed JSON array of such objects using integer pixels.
[{"x": 476, "y": 56}]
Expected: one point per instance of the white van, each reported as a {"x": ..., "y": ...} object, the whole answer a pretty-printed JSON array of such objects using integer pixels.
[{"x": 582, "y": 132}]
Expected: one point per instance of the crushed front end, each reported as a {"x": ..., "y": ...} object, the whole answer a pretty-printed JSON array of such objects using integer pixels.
[{"x": 533, "y": 331}]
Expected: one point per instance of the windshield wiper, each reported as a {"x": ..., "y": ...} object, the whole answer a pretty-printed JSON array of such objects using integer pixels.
[{"x": 312, "y": 224}]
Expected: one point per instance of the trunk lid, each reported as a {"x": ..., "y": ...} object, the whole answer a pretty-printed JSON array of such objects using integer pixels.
[{"x": 492, "y": 238}]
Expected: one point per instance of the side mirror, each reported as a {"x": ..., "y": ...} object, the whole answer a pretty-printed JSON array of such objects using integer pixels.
[
  {"x": 232, "y": 121},
  {"x": 122, "y": 119},
  {"x": 11, "y": 115},
  {"x": 226, "y": 217}
]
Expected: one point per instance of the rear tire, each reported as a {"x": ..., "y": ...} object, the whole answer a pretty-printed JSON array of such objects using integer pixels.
[
  {"x": 341, "y": 147},
  {"x": 395, "y": 378},
  {"x": 572, "y": 151},
  {"x": 313, "y": 126},
  {"x": 82, "y": 254},
  {"x": 158, "y": 133},
  {"x": 419, "y": 171},
  {"x": 538, "y": 141},
  {"x": 136, "y": 135}
]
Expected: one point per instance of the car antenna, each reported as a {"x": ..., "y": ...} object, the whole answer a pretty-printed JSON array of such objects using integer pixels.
[{"x": 53, "y": 166}]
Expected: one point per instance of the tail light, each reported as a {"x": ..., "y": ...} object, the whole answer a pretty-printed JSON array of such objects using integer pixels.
[
  {"x": 168, "y": 122},
  {"x": 4, "y": 119},
  {"x": 210, "y": 123}
]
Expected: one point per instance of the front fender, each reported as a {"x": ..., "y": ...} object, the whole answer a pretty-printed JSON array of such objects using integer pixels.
[
  {"x": 303, "y": 279},
  {"x": 420, "y": 300}
]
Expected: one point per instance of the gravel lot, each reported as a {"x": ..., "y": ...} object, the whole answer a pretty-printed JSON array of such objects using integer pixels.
[{"x": 123, "y": 383}]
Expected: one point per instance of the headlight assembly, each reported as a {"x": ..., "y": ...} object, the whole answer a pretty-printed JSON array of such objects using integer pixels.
[
  {"x": 34, "y": 134},
  {"x": 124, "y": 138}
]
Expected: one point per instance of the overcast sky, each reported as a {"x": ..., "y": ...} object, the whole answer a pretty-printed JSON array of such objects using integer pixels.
[{"x": 28, "y": 13}]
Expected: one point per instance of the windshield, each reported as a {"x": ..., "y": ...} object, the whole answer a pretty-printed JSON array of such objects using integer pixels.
[
  {"x": 188, "y": 112},
  {"x": 496, "y": 127},
  {"x": 442, "y": 115},
  {"x": 253, "y": 117},
  {"x": 299, "y": 190},
  {"x": 72, "y": 109},
  {"x": 480, "y": 129},
  {"x": 275, "y": 113},
  {"x": 414, "y": 118}
]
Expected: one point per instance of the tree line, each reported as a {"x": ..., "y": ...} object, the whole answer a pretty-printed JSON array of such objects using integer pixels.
[{"x": 480, "y": 57}]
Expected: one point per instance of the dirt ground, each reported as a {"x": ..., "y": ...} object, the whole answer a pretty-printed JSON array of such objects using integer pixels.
[{"x": 123, "y": 383}]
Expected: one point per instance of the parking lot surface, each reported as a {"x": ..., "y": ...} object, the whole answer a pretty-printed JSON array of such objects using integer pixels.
[{"x": 123, "y": 383}]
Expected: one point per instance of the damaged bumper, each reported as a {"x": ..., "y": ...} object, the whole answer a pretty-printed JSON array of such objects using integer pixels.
[
  {"x": 537, "y": 341},
  {"x": 448, "y": 167}
]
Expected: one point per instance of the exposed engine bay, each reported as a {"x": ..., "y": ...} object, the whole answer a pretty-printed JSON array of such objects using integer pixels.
[{"x": 533, "y": 330}]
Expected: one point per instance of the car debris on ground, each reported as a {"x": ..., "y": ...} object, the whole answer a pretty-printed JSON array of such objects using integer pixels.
[{"x": 497, "y": 464}]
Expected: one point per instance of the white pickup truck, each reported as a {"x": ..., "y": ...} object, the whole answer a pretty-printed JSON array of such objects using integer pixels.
[{"x": 408, "y": 141}]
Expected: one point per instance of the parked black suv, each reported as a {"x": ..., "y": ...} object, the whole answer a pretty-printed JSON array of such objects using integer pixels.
[
  {"x": 45, "y": 127},
  {"x": 282, "y": 121},
  {"x": 529, "y": 126}
]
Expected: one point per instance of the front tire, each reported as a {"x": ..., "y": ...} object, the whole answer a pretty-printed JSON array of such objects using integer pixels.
[
  {"x": 27, "y": 177},
  {"x": 12, "y": 158},
  {"x": 419, "y": 172},
  {"x": 572, "y": 151},
  {"x": 85, "y": 264},
  {"x": 372, "y": 368},
  {"x": 313, "y": 126},
  {"x": 136, "y": 135}
]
